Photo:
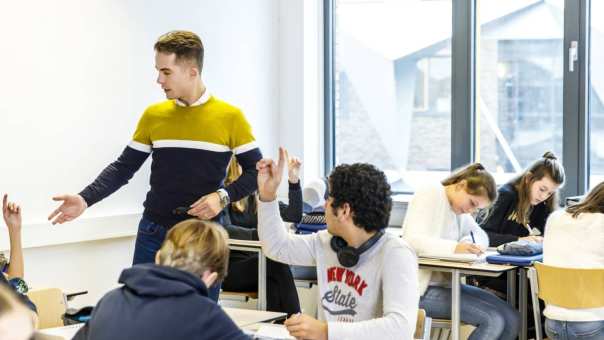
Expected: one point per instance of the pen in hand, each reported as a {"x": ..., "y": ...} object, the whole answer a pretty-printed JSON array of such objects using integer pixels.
[{"x": 474, "y": 243}]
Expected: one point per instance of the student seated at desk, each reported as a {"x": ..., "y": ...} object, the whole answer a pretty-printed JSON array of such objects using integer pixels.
[
  {"x": 524, "y": 204},
  {"x": 367, "y": 278},
  {"x": 520, "y": 212},
  {"x": 439, "y": 219},
  {"x": 575, "y": 239},
  {"x": 13, "y": 272},
  {"x": 281, "y": 293},
  {"x": 169, "y": 299}
]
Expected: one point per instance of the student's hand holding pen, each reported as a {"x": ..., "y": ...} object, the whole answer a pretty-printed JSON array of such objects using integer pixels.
[
  {"x": 468, "y": 248},
  {"x": 472, "y": 248}
]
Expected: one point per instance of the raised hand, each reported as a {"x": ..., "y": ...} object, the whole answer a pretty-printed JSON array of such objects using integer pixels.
[
  {"x": 11, "y": 213},
  {"x": 293, "y": 168},
  {"x": 72, "y": 207},
  {"x": 269, "y": 176}
]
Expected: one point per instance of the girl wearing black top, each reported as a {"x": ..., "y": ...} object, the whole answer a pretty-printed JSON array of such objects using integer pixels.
[
  {"x": 522, "y": 207},
  {"x": 241, "y": 223},
  {"x": 524, "y": 203}
]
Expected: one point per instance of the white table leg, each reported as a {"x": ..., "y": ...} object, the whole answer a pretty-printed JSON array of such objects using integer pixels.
[
  {"x": 455, "y": 296},
  {"x": 261, "y": 281}
]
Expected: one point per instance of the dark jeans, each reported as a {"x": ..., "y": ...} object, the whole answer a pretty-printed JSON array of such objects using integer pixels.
[
  {"x": 281, "y": 293},
  {"x": 149, "y": 239}
]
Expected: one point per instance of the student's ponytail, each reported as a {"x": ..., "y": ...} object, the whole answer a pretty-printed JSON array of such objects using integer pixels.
[
  {"x": 548, "y": 165},
  {"x": 478, "y": 181}
]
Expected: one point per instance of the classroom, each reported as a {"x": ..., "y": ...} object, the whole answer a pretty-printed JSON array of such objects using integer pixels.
[{"x": 302, "y": 169}]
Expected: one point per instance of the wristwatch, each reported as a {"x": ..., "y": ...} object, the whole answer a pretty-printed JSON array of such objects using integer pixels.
[{"x": 224, "y": 197}]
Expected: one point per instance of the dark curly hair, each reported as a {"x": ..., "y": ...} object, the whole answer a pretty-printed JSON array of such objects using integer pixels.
[{"x": 365, "y": 188}]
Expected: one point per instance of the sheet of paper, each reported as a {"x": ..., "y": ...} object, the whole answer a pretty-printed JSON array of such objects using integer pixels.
[{"x": 271, "y": 331}]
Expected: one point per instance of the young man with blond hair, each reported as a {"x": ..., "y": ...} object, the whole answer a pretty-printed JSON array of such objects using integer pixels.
[
  {"x": 169, "y": 299},
  {"x": 191, "y": 137}
]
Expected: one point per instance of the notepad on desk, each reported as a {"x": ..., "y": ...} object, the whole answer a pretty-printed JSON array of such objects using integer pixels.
[
  {"x": 272, "y": 331},
  {"x": 455, "y": 257}
]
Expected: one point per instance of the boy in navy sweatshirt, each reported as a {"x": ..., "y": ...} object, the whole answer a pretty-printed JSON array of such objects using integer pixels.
[{"x": 169, "y": 299}]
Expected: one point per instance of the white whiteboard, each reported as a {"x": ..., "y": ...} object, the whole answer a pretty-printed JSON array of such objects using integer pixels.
[{"x": 76, "y": 76}]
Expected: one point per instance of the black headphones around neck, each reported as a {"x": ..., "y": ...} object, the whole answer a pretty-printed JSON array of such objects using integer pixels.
[{"x": 349, "y": 256}]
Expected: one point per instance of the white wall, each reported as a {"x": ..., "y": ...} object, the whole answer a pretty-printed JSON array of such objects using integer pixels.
[{"x": 76, "y": 77}]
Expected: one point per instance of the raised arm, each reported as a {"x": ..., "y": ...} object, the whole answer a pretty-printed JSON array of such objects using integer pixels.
[
  {"x": 12, "y": 217},
  {"x": 292, "y": 212},
  {"x": 277, "y": 243}
]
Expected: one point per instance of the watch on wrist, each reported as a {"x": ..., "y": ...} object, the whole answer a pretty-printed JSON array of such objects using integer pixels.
[{"x": 224, "y": 197}]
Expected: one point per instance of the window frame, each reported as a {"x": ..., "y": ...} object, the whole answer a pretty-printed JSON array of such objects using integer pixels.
[{"x": 575, "y": 130}]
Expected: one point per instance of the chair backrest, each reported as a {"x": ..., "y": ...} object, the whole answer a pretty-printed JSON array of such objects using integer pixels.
[
  {"x": 422, "y": 326},
  {"x": 570, "y": 287},
  {"x": 51, "y": 304}
]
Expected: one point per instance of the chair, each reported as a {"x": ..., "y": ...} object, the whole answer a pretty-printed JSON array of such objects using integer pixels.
[
  {"x": 573, "y": 288},
  {"x": 51, "y": 304},
  {"x": 238, "y": 296},
  {"x": 423, "y": 326}
]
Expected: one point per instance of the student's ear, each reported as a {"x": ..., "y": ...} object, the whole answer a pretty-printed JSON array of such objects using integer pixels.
[
  {"x": 345, "y": 212},
  {"x": 461, "y": 185},
  {"x": 157, "y": 257},
  {"x": 193, "y": 71},
  {"x": 209, "y": 278},
  {"x": 528, "y": 177}
]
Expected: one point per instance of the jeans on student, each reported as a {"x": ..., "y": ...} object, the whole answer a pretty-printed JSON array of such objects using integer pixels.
[
  {"x": 149, "y": 239},
  {"x": 492, "y": 317},
  {"x": 571, "y": 330}
]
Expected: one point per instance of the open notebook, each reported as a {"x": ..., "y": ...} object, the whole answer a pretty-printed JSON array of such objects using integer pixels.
[{"x": 466, "y": 258}]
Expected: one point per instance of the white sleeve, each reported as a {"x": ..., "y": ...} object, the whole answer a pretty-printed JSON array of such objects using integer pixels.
[
  {"x": 420, "y": 227},
  {"x": 278, "y": 244},
  {"x": 468, "y": 224},
  {"x": 400, "y": 302}
]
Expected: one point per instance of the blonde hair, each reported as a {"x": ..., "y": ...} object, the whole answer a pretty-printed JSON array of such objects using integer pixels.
[
  {"x": 548, "y": 165},
  {"x": 10, "y": 304},
  {"x": 479, "y": 181},
  {"x": 196, "y": 246},
  {"x": 592, "y": 203}
]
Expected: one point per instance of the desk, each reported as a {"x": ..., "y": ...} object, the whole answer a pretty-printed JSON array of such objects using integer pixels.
[
  {"x": 457, "y": 270},
  {"x": 254, "y": 246},
  {"x": 58, "y": 333},
  {"x": 246, "y": 317}
]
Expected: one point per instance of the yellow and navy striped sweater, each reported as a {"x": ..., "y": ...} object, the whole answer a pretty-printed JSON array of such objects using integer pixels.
[{"x": 191, "y": 147}]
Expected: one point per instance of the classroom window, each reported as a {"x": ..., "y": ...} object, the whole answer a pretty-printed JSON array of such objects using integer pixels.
[
  {"x": 596, "y": 94},
  {"x": 390, "y": 100},
  {"x": 520, "y": 77},
  {"x": 392, "y": 88}
]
